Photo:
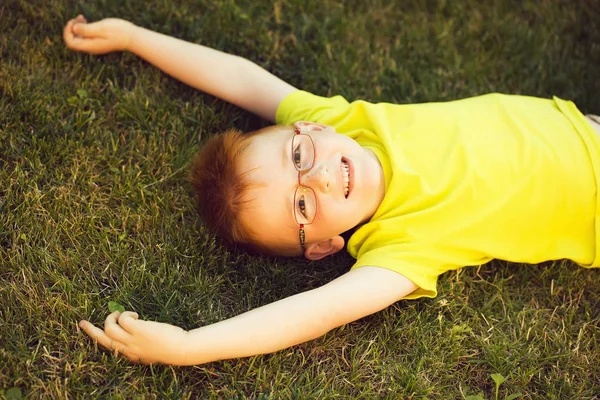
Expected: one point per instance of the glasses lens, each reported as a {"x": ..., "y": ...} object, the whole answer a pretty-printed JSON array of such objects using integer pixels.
[
  {"x": 305, "y": 205},
  {"x": 303, "y": 152}
]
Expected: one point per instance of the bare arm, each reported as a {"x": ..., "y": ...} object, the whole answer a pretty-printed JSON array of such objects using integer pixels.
[
  {"x": 231, "y": 78},
  {"x": 299, "y": 318},
  {"x": 273, "y": 327}
]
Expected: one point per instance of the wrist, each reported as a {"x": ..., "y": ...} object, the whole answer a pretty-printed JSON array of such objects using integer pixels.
[
  {"x": 169, "y": 345},
  {"x": 129, "y": 32},
  {"x": 194, "y": 349},
  {"x": 185, "y": 348}
]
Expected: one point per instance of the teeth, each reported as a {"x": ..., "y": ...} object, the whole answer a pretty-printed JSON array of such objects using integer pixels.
[{"x": 345, "y": 177}]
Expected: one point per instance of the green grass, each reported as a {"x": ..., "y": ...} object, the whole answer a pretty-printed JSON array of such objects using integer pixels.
[{"x": 94, "y": 206}]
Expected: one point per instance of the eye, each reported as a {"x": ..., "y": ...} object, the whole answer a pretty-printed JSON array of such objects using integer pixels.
[
  {"x": 302, "y": 206},
  {"x": 297, "y": 158}
]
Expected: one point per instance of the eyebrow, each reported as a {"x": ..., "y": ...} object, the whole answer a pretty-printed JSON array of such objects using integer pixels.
[{"x": 287, "y": 157}]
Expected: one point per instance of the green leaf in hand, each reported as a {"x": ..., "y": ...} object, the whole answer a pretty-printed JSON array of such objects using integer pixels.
[{"x": 114, "y": 306}]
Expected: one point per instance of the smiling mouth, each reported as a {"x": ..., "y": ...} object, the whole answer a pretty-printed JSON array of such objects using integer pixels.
[{"x": 345, "y": 178}]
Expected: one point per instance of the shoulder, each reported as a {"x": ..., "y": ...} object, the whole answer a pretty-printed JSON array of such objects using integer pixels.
[{"x": 302, "y": 105}]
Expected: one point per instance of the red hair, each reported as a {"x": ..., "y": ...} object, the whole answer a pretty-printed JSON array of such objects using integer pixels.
[{"x": 220, "y": 188}]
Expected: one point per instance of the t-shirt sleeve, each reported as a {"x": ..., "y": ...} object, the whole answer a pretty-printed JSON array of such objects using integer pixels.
[
  {"x": 305, "y": 106},
  {"x": 426, "y": 281},
  {"x": 414, "y": 261}
]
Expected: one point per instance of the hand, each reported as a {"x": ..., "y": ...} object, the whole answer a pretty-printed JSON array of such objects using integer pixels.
[
  {"x": 140, "y": 341},
  {"x": 99, "y": 37}
]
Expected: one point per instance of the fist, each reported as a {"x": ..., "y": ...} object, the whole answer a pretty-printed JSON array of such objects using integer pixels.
[
  {"x": 100, "y": 37},
  {"x": 141, "y": 341}
]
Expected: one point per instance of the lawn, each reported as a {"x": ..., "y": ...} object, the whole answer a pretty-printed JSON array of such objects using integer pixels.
[{"x": 94, "y": 204}]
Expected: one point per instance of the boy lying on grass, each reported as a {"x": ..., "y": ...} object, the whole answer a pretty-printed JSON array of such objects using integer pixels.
[{"x": 430, "y": 187}]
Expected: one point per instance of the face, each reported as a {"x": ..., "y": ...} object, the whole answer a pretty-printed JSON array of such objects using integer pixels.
[{"x": 347, "y": 181}]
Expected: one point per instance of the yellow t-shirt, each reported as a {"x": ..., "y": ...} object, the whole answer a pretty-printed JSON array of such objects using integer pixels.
[{"x": 467, "y": 181}]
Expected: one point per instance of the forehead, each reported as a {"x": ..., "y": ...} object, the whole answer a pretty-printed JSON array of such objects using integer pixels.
[
  {"x": 269, "y": 141},
  {"x": 266, "y": 152},
  {"x": 267, "y": 166},
  {"x": 272, "y": 180}
]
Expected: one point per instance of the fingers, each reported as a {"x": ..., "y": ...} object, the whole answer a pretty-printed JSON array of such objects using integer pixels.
[
  {"x": 112, "y": 318},
  {"x": 113, "y": 336},
  {"x": 72, "y": 39},
  {"x": 68, "y": 34},
  {"x": 114, "y": 330},
  {"x": 128, "y": 320},
  {"x": 106, "y": 341},
  {"x": 88, "y": 30},
  {"x": 79, "y": 35},
  {"x": 101, "y": 337}
]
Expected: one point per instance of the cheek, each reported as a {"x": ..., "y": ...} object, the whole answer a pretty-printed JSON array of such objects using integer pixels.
[{"x": 330, "y": 210}]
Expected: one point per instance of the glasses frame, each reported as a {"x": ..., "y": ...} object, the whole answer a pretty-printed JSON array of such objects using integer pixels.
[{"x": 301, "y": 187}]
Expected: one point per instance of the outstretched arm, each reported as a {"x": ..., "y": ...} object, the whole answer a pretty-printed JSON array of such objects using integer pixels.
[
  {"x": 273, "y": 327},
  {"x": 231, "y": 78}
]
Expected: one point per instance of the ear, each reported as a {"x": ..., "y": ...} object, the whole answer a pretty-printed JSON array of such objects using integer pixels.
[
  {"x": 324, "y": 248},
  {"x": 306, "y": 126}
]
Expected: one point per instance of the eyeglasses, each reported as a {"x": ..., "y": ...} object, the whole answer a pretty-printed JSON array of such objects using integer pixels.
[{"x": 305, "y": 201}]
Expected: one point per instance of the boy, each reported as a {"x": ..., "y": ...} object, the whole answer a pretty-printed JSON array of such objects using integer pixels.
[{"x": 434, "y": 187}]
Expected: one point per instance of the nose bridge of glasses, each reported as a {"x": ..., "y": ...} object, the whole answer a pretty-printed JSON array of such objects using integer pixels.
[{"x": 316, "y": 177}]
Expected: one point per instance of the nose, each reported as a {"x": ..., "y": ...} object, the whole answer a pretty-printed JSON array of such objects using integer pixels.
[{"x": 316, "y": 178}]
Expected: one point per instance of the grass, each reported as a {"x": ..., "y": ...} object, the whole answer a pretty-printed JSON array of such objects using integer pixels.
[{"x": 94, "y": 206}]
